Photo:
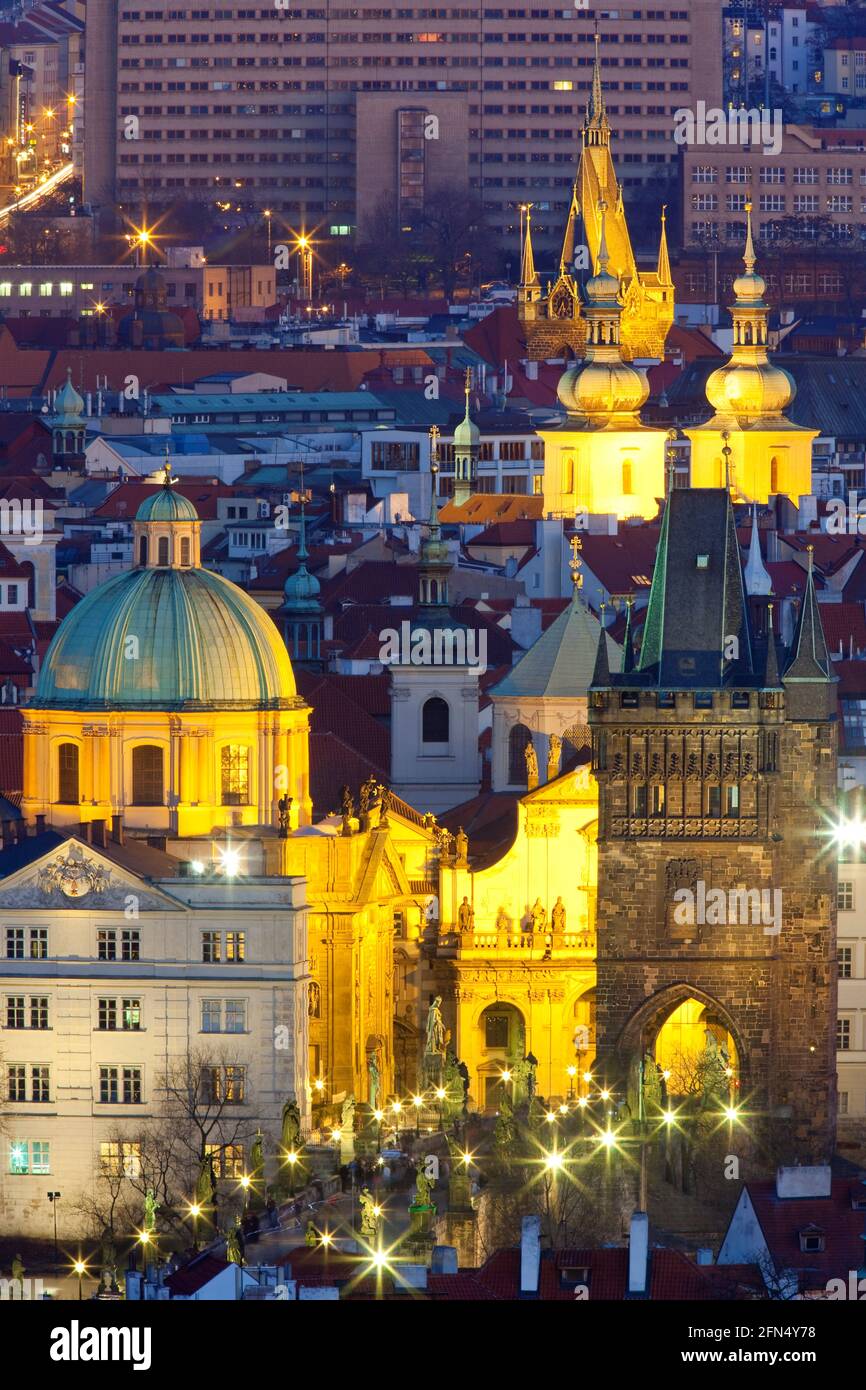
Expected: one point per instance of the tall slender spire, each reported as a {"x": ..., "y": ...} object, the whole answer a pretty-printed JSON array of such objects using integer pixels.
[
  {"x": 628, "y": 637},
  {"x": 757, "y": 578},
  {"x": 566, "y": 258},
  {"x": 528, "y": 274},
  {"x": 601, "y": 673},
  {"x": 596, "y": 115},
  {"x": 771, "y": 673},
  {"x": 663, "y": 270}
]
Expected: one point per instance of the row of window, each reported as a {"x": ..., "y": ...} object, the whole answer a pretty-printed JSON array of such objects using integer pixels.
[
  {"x": 124, "y": 944},
  {"x": 124, "y": 1015},
  {"x": 148, "y": 760},
  {"x": 30, "y": 1083},
  {"x": 793, "y": 282},
  {"x": 719, "y": 801},
  {"x": 116, "y": 1158},
  {"x": 776, "y": 202},
  {"x": 743, "y": 173}
]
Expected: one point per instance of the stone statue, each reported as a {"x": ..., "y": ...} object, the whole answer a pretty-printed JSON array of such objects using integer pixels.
[
  {"x": 462, "y": 844},
  {"x": 369, "y": 790},
  {"x": 503, "y": 921},
  {"x": 311, "y": 1239},
  {"x": 235, "y": 1244},
  {"x": 347, "y": 1116},
  {"x": 205, "y": 1188},
  {"x": 553, "y": 750},
  {"x": 385, "y": 800},
  {"x": 557, "y": 916},
  {"x": 445, "y": 840},
  {"x": 347, "y": 809},
  {"x": 423, "y": 1188},
  {"x": 364, "y": 798},
  {"x": 652, "y": 1083},
  {"x": 314, "y": 999},
  {"x": 531, "y": 1076},
  {"x": 291, "y": 1131},
  {"x": 435, "y": 1043},
  {"x": 531, "y": 759},
  {"x": 539, "y": 916},
  {"x": 374, "y": 1080},
  {"x": 151, "y": 1207},
  {"x": 369, "y": 1218},
  {"x": 465, "y": 916},
  {"x": 108, "y": 1261},
  {"x": 284, "y": 806},
  {"x": 257, "y": 1156}
]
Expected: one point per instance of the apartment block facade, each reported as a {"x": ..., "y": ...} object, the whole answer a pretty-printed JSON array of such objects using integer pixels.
[
  {"x": 268, "y": 105},
  {"x": 813, "y": 190}
]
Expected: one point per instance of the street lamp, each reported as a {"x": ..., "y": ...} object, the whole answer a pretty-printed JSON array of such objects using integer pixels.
[
  {"x": 397, "y": 1107},
  {"x": 80, "y": 1268},
  {"x": 195, "y": 1213},
  {"x": 417, "y": 1101},
  {"x": 378, "y": 1116},
  {"x": 572, "y": 1073},
  {"x": 54, "y": 1198},
  {"x": 268, "y": 216},
  {"x": 440, "y": 1096},
  {"x": 291, "y": 1159}
]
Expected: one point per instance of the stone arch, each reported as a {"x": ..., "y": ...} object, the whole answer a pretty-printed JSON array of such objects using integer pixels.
[{"x": 642, "y": 1028}]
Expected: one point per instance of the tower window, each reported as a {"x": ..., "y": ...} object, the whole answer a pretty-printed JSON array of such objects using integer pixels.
[
  {"x": 147, "y": 775},
  {"x": 639, "y": 801},
  {"x": 184, "y": 550},
  {"x": 627, "y": 478},
  {"x": 235, "y": 773},
  {"x": 657, "y": 799},
  {"x": 162, "y": 551},
  {"x": 67, "y": 766},
  {"x": 142, "y": 550},
  {"x": 732, "y": 801},
  {"x": 518, "y": 738},
  {"x": 714, "y": 801},
  {"x": 435, "y": 721}
]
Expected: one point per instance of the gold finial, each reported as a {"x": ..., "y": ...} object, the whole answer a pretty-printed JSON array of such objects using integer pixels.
[
  {"x": 726, "y": 454},
  {"x": 434, "y": 448},
  {"x": 749, "y": 256},
  {"x": 168, "y": 480},
  {"x": 810, "y": 551},
  {"x": 576, "y": 545},
  {"x": 664, "y": 213}
]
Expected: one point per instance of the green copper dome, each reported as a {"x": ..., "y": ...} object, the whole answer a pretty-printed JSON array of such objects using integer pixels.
[
  {"x": 166, "y": 639},
  {"x": 166, "y": 504}
]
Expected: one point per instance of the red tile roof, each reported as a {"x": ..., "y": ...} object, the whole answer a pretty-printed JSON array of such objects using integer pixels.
[
  {"x": 194, "y": 1276},
  {"x": 782, "y": 1219}
]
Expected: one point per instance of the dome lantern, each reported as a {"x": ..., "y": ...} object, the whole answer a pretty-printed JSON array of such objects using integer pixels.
[{"x": 167, "y": 529}]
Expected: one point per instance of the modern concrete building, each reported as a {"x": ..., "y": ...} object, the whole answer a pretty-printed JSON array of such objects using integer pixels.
[
  {"x": 215, "y": 291},
  {"x": 316, "y": 113}
]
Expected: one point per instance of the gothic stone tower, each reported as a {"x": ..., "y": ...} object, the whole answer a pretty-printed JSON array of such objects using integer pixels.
[{"x": 716, "y": 764}]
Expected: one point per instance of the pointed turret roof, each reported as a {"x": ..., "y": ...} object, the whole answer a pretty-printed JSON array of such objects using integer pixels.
[
  {"x": 809, "y": 659},
  {"x": 663, "y": 269},
  {"x": 755, "y": 574},
  {"x": 569, "y": 240},
  {"x": 771, "y": 673},
  {"x": 560, "y": 664},
  {"x": 697, "y": 600},
  {"x": 528, "y": 273},
  {"x": 596, "y": 115},
  {"x": 601, "y": 670},
  {"x": 628, "y": 638}
]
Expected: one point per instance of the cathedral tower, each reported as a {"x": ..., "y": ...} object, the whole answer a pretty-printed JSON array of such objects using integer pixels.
[{"x": 716, "y": 765}]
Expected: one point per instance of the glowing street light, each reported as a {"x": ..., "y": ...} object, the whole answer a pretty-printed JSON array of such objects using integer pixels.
[
  {"x": 291, "y": 1159},
  {"x": 80, "y": 1268},
  {"x": 553, "y": 1162},
  {"x": 550, "y": 1117},
  {"x": 607, "y": 1139},
  {"x": 195, "y": 1212}
]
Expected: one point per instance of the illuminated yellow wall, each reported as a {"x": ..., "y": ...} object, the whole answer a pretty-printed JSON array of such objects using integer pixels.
[
  {"x": 276, "y": 744},
  {"x": 765, "y": 460},
  {"x": 553, "y": 855},
  {"x": 605, "y": 471}
]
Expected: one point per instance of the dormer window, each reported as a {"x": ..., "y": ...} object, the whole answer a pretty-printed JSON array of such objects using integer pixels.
[
  {"x": 812, "y": 1240},
  {"x": 702, "y": 562}
]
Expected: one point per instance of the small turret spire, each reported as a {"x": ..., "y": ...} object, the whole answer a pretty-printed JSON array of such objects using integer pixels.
[
  {"x": 663, "y": 269},
  {"x": 601, "y": 673},
  {"x": 603, "y": 253},
  {"x": 528, "y": 273},
  {"x": 628, "y": 638},
  {"x": 749, "y": 257},
  {"x": 755, "y": 574}
]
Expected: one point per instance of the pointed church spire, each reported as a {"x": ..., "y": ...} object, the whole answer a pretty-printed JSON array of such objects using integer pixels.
[
  {"x": 603, "y": 260},
  {"x": 755, "y": 573},
  {"x": 528, "y": 274},
  {"x": 601, "y": 672},
  {"x": 628, "y": 637},
  {"x": 810, "y": 660},
  {"x": 771, "y": 674},
  {"x": 749, "y": 257},
  {"x": 663, "y": 269},
  {"x": 566, "y": 258},
  {"x": 596, "y": 127}
]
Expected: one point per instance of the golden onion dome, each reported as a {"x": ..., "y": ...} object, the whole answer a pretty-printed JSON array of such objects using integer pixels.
[
  {"x": 603, "y": 388},
  {"x": 750, "y": 389}
]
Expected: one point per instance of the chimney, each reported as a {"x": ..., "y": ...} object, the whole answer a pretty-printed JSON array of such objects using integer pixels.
[
  {"x": 117, "y": 829},
  {"x": 638, "y": 1254},
  {"x": 98, "y": 833},
  {"x": 40, "y": 824},
  {"x": 6, "y": 832},
  {"x": 443, "y": 1259},
  {"x": 530, "y": 1256}
]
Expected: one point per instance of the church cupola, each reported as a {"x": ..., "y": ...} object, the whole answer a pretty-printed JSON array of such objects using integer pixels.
[
  {"x": 303, "y": 616},
  {"x": 68, "y": 423},
  {"x": 167, "y": 531},
  {"x": 467, "y": 439}
]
